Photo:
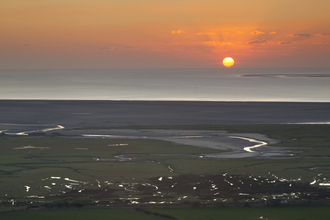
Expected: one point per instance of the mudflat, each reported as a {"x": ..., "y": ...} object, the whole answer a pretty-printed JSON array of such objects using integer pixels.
[{"x": 72, "y": 114}]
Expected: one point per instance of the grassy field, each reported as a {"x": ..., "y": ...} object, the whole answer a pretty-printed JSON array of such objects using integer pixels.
[
  {"x": 47, "y": 172},
  {"x": 246, "y": 213},
  {"x": 82, "y": 214},
  {"x": 74, "y": 158},
  {"x": 250, "y": 213}
]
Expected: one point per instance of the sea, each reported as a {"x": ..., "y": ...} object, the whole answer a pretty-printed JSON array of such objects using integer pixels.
[{"x": 221, "y": 84}]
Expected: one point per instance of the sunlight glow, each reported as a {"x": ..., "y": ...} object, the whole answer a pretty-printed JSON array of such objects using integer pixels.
[{"x": 228, "y": 62}]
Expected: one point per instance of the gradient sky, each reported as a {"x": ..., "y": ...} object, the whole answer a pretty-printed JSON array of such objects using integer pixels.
[{"x": 164, "y": 34}]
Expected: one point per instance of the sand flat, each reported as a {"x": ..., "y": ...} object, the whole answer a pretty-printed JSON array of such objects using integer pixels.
[{"x": 122, "y": 113}]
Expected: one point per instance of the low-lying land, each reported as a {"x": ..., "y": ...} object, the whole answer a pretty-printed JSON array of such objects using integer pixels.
[
  {"x": 251, "y": 213},
  {"x": 71, "y": 171}
]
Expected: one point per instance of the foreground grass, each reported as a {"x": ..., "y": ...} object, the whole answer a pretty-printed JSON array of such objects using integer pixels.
[
  {"x": 246, "y": 213},
  {"x": 73, "y": 158},
  {"x": 82, "y": 214},
  {"x": 249, "y": 213}
]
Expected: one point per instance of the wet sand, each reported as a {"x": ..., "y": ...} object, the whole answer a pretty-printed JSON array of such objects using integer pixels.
[
  {"x": 72, "y": 114},
  {"x": 242, "y": 145}
]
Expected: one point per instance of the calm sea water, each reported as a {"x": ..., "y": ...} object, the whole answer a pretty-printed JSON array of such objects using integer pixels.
[{"x": 306, "y": 85}]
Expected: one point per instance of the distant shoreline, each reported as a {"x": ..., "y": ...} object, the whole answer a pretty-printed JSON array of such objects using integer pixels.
[
  {"x": 133, "y": 100},
  {"x": 83, "y": 113}
]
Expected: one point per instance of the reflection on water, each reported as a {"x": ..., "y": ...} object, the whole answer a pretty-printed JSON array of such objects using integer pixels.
[
  {"x": 25, "y": 133},
  {"x": 168, "y": 84},
  {"x": 248, "y": 149}
]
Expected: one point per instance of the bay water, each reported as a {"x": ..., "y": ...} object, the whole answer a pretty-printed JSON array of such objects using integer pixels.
[{"x": 222, "y": 84}]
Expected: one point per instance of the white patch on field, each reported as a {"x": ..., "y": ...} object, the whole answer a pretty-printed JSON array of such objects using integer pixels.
[
  {"x": 98, "y": 183},
  {"x": 324, "y": 184},
  {"x": 312, "y": 183},
  {"x": 76, "y": 181},
  {"x": 29, "y": 147},
  {"x": 35, "y": 196},
  {"x": 27, "y": 188}
]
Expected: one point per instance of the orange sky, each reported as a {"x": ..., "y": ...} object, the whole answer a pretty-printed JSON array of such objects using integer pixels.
[{"x": 158, "y": 34}]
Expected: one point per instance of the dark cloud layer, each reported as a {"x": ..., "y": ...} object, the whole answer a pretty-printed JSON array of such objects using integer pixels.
[
  {"x": 253, "y": 42},
  {"x": 299, "y": 35},
  {"x": 286, "y": 42},
  {"x": 322, "y": 35}
]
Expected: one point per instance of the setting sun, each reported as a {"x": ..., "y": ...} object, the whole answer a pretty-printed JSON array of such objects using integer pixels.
[{"x": 228, "y": 62}]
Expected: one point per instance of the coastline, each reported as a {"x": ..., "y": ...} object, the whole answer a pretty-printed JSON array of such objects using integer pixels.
[{"x": 77, "y": 113}]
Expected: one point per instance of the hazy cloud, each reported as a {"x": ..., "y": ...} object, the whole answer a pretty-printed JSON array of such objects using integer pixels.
[
  {"x": 299, "y": 35},
  {"x": 174, "y": 43},
  {"x": 206, "y": 33},
  {"x": 257, "y": 32},
  {"x": 322, "y": 35},
  {"x": 128, "y": 47},
  {"x": 253, "y": 42},
  {"x": 204, "y": 49},
  {"x": 273, "y": 32},
  {"x": 117, "y": 48},
  {"x": 178, "y": 32},
  {"x": 103, "y": 48},
  {"x": 286, "y": 42},
  {"x": 240, "y": 32},
  {"x": 27, "y": 45},
  {"x": 217, "y": 43}
]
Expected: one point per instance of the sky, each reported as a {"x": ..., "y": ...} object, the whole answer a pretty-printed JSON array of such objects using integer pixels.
[{"x": 164, "y": 34}]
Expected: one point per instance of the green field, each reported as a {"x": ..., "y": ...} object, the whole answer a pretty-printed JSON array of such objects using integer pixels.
[
  {"x": 250, "y": 213},
  {"x": 57, "y": 172},
  {"x": 82, "y": 214}
]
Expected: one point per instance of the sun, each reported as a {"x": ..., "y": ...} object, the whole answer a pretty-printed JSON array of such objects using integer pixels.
[{"x": 228, "y": 62}]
